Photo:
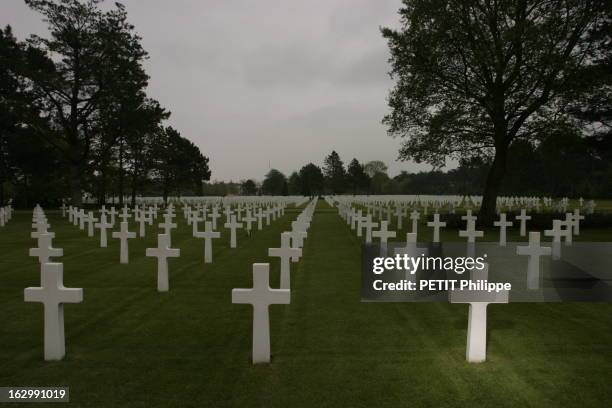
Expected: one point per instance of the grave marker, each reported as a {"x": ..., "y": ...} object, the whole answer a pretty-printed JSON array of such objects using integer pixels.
[
  {"x": 261, "y": 296},
  {"x": 53, "y": 294},
  {"x": 162, "y": 253}
]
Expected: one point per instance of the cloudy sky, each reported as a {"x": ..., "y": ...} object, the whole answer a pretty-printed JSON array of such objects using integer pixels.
[{"x": 265, "y": 83}]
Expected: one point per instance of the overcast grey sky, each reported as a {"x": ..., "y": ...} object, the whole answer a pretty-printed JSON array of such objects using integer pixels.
[{"x": 265, "y": 83}]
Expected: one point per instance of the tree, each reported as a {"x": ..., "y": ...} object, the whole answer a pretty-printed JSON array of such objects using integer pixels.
[
  {"x": 335, "y": 176},
  {"x": 221, "y": 188},
  {"x": 380, "y": 183},
  {"x": 11, "y": 54},
  {"x": 312, "y": 180},
  {"x": 473, "y": 76},
  {"x": 275, "y": 183},
  {"x": 374, "y": 167},
  {"x": 97, "y": 55},
  {"x": 294, "y": 185},
  {"x": 28, "y": 169},
  {"x": 179, "y": 165},
  {"x": 248, "y": 188},
  {"x": 358, "y": 180}
]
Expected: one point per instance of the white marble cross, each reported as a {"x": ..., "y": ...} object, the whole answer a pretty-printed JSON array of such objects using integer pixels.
[
  {"x": 569, "y": 227},
  {"x": 91, "y": 220},
  {"x": 112, "y": 212},
  {"x": 82, "y": 219},
  {"x": 297, "y": 238},
  {"x": 228, "y": 213},
  {"x": 400, "y": 212},
  {"x": 214, "y": 215},
  {"x": 470, "y": 231},
  {"x": 356, "y": 216},
  {"x": 41, "y": 226},
  {"x": 45, "y": 249},
  {"x": 52, "y": 294},
  {"x": 468, "y": 216},
  {"x": 103, "y": 226},
  {"x": 123, "y": 236},
  {"x": 125, "y": 214},
  {"x": 436, "y": 224},
  {"x": 259, "y": 216},
  {"x": 162, "y": 253},
  {"x": 384, "y": 234},
  {"x": 577, "y": 219},
  {"x": 361, "y": 219},
  {"x": 248, "y": 219},
  {"x": 195, "y": 219},
  {"x": 142, "y": 220},
  {"x": 267, "y": 213},
  {"x": 368, "y": 224},
  {"x": 523, "y": 218},
  {"x": 285, "y": 253},
  {"x": 208, "y": 234},
  {"x": 233, "y": 225},
  {"x": 556, "y": 233},
  {"x": 476, "y": 350},
  {"x": 534, "y": 251},
  {"x": 168, "y": 225},
  {"x": 261, "y": 296},
  {"x": 502, "y": 224},
  {"x": 103, "y": 211},
  {"x": 415, "y": 216}
]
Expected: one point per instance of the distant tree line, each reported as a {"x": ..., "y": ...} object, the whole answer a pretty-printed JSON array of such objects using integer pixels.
[
  {"x": 559, "y": 165},
  {"x": 75, "y": 117}
]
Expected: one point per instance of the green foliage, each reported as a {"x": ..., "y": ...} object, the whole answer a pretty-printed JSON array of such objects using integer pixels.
[
  {"x": 312, "y": 180},
  {"x": 221, "y": 188},
  {"x": 471, "y": 77},
  {"x": 80, "y": 97},
  {"x": 357, "y": 179},
  {"x": 248, "y": 187},
  {"x": 294, "y": 184},
  {"x": 275, "y": 183},
  {"x": 179, "y": 166},
  {"x": 334, "y": 173},
  {"x": 375, "y": 166}
]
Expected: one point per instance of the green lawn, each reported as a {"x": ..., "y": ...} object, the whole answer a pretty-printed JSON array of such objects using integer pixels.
[{"x": 129, "y": 346}]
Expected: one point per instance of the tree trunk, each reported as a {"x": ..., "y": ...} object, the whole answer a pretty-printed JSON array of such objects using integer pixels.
[
  {"x": 165, "y": 193},
  {"x": 75, "y": 184},
  {"x": 492, "y": 186},
  {"x": 102, "y": 187},
  {"x": 134, "y": 191},
  {"x": 121, "y": 173}
]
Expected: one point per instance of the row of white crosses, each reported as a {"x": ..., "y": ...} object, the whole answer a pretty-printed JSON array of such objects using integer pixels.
[
  {"x": 6, "y": 213},
  {"x": 479, "y": 300},
  {"x": 163, "y": 251},
  {"x": 358, "y": 221},
  {"x": 382, "y": 204},
  {"x": 52, "y": 293},
  {"x": 476, "y": 343},
  {"x": 261, "y": 295}
]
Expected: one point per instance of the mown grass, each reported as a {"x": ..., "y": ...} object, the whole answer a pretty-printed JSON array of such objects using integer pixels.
[{"x": 129, "y": 346}]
